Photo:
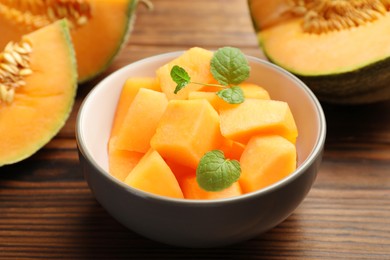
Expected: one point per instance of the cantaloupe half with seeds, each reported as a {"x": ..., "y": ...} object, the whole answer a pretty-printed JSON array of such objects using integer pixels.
[
  {"x": 99, "y": 28},
  {"x": 340, "y": 49},
  {"x": 38, "y": 80}
]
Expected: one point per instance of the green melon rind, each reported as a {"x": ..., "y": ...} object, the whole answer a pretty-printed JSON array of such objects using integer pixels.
[
  {"x": 130, "y": 13},
  {"x": 367, "y": 83},
  {"x": 64, "y": 117}
]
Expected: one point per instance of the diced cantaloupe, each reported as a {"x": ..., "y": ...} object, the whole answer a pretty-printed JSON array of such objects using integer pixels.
[
  {"x": 231, "y": 149},
  {"x": 129, "y": 90},
  {"x": 266, "y": 160},
  {"x": 121, "y": 162},
  {"x": 192, "y": 190},
  {"x": 254, "y": 91},
  {"x": 196, "y": 61},
  {"x": 211, "y": 97},
  {"x": 141, "y": 120},
  {"x": 187, "y": 130},
  {"x": 250, "y": 90},
  {"x": 257, "y": 116},
  {"x": 153, "y": 175},
  {"x": 180, "y": 170}
]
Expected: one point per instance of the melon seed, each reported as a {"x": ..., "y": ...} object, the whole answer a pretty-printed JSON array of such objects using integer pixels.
[
  {"x": 14, "y": 67},
  {"x": 334, "y": 15},
  {"x": 34, "y": 14}
]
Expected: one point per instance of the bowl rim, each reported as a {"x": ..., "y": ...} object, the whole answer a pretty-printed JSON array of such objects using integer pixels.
[{"x": 316, "y": 151}]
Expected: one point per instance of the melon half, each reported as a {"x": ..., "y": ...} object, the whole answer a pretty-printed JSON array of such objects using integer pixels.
[{"x": 41, "y": 106}]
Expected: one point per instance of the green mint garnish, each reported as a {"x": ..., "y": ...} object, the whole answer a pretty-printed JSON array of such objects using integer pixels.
[
  {"x": 229, "y": 67},
  {"x": 232, "y": 95},
  {"x": 180, "y": 76},
  {"x": 215, "y": 173}
]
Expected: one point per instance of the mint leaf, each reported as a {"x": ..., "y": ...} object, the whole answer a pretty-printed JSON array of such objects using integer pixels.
[
  {"x": 233, "y": 95},
  {"x": 180, "y": 77},
  {"x": 215, "y": 173},
  {"x": 229, "y": 66}
]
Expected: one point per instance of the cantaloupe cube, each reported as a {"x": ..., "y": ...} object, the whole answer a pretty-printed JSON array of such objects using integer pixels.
[
  {"x": 196, "y": 61},
  {"x": 255, "y": 117},
  {"x": 211, "y": 97},
  {"x": 180, "y": 170},
  {"x": 141, "y": 120},
  {"x": 266, "y": 160},
  {"x": 192, "y": 190},
  {"x": 121, "y": 162},
  {"x": 153, "y": 175},
  {"x": 129, "y": 90},
  {"x": 231, "y": 149},
  {"x": 187, "y": 130},
  {"x": 254, "y": 91}
]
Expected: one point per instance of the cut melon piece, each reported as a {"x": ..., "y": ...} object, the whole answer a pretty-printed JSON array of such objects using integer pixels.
[
  {"x": 338, "y": 48},
  {"x": 196, "y": 61},
  {"x": 121, "y": 162},
  {"x": 153, "y": 175},
  {"x": 99, "y": 28},
  {"x": 129, "y": 90},
  {"x": 266, "y": 160},
  {"x": 211, "y": 97},
  {"x": 192, "y": 190},
  {"x": 254, "y": 91},
  {"x": 231, "y": 149},
  {"x": 141, "y": 120},
  {"x": 187, "y": 130},
  {"x": 255, "y": 117},
  {"x": 42, "y": 104}
]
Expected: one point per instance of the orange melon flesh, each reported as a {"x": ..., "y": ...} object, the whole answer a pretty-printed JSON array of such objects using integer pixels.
[
  {"x": 121, "y": 162},
  {"x": 266, "y": 160},
  {"x": 231, "y": 149},
  {"x": 97, "y": 42},
  {"x": 141, "y": 120},
  {"x": 180, "y": 170},
  {"x": 153, "y": 175},
  {"x": 211, "y": 97},
  {"x": 192, "y": 190},
  {"x": 279, "y": 40},
  {"x": 266, "y": 15},
  {"x": 254, "y": 91},
  {"x": 187, "y": 130},
  {"x": 129, "y": 90},
  {"x": 256, "y": 116},
  {"x": 40, "y": 108},
  {"x": 196, "y": 61}
]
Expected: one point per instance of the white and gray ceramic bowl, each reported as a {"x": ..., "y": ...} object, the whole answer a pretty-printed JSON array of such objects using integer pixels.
[{"x": 198, "y": 223}]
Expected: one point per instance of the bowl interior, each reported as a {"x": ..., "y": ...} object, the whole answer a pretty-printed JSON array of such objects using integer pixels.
[{"x": 97, "y": 112}]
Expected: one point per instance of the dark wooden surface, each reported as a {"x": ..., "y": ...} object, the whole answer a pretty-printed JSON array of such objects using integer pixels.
[{"x": 47, "y": 210}]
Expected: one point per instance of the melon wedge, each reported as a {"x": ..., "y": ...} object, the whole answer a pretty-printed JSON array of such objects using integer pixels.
[
  {"x": 152, "y": 174},
  {"x": 99, "y": 32},
  {"x": 41, "y": 107},
  {"x": 196, "y": 61},
  {"x": 255, "y": 117},
  {"x": 266, "y": 160}
]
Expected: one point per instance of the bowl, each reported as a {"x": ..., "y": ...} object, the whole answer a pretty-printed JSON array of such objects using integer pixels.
[{"x": 199, "y": 223}]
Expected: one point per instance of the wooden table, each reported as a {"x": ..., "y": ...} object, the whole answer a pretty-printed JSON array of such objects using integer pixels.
[{"x": 48, "y": 211}]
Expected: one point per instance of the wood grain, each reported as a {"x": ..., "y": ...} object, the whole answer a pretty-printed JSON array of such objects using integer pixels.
[{"x": 47, "y": 210}]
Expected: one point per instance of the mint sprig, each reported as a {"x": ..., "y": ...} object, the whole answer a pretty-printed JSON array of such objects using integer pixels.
[
  {"x": 181, "y": 77},
  {"x": 228, "y": 66},
  {"x": 215, "y": 173}
]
